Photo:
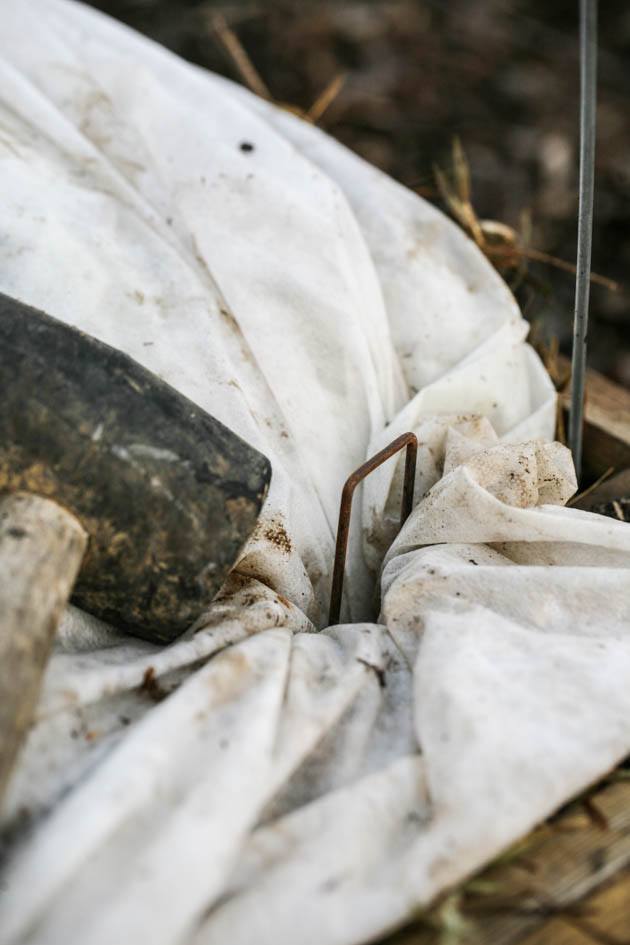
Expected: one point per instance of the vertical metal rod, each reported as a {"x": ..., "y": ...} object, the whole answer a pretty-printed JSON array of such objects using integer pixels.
[{"x": 588, "y": 107}]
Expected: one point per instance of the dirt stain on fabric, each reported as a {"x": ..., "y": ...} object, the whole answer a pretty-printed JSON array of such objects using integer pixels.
[{"x": 276, "y": 533}]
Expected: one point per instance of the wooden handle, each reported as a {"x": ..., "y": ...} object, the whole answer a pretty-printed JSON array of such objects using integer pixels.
[{"x": 41, "y": 548}]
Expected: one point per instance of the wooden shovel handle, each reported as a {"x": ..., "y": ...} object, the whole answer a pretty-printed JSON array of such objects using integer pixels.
[{"x": 41, "y": 548}]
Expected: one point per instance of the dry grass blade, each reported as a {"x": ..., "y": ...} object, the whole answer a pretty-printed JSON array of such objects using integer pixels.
[
  {"x": 595, "y": 485},
  {"x": 447, "y": 193},
  {"x": 558, "y": 370},
  {"x": 325, "y": 99},
  {"x": 461, "y": 171},
  {"x": 246, "y": 68},
  {"x": 456, "y": 193},
  {"x": 254, "y": 81},
  {"x": 536, "y": 255},
  {"x": 505, "y": 247},
  {"x": 618, "y": 510}
]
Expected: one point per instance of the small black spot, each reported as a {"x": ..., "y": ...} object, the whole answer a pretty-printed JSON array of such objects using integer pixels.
[
  {"x": 472, "y": 561},
  {"x": 169, "y": 221},
  {"x": 17, "y": 532},
  {"x": 246, "y": 146}
]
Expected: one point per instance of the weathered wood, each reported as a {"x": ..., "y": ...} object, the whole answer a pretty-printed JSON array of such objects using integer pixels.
[
  {"x": 607, "y": 424},
  {"x": 167, "y": 494},
  {"x": 560, "y": 932},
  {"x": 606, "y": 914},
  {"x": 41, "y": 548},
  {"x": 557, "y": 869}
]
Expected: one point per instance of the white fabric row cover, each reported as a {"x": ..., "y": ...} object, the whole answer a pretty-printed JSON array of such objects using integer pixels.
[{"x": 257, "y": 780}]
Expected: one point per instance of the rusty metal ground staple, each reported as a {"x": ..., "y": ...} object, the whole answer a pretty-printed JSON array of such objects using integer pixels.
[{"x": 408, "y": 440}]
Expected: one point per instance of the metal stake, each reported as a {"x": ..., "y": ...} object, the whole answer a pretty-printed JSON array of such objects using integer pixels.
[
  {"x": 588, "y": 107},
  {"x": 408, "y": 440}
]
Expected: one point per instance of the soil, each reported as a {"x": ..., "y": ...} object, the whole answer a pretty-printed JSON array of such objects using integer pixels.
[{"x": 500, "y": 74}]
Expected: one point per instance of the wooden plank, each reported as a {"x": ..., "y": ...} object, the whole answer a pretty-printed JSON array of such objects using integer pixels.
[
  {"x": 559, "y": 932},
  {"x": 606, "y": 914},
  {"x": 559, "y": 866},
  {"x": 41, "y": 548},
  {"x": 607, "y": 423}
]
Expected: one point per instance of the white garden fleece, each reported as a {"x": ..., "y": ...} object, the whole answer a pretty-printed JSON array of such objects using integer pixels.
[{"x": 294, "y": 787}]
